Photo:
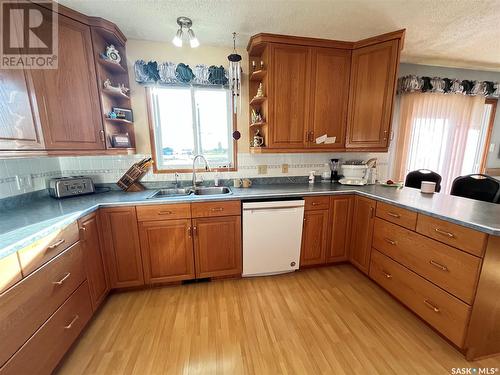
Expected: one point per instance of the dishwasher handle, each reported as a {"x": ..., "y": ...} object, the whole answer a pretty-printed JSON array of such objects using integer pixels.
[{"x": 270, "y": 208}]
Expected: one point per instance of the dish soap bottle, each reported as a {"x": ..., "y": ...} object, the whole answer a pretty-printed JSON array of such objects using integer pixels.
[{"x": 311, "y": 177}]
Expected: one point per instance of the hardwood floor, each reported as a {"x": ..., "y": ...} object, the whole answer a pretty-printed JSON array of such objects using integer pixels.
[{"x": 330, "y": 320}]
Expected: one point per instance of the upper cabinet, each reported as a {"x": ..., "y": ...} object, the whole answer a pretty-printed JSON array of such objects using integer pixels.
[
  {"x": 69, "y": 110},
  {"x": 317, "y": 88},
  {"x": 373, "y": 85},
  {"x": 63, "y": 111}
]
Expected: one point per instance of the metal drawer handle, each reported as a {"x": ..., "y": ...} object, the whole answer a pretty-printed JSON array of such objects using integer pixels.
[
  {"x": 217, "y": 209},
  {"x": 164, "y": 212},
  {"x": 390, "y": 241},
  {"x": 393, "y": 214},
  {"x": 60, "y": 282},
  {"x": 72, "y": 322},
  {"x": 56, "y": 244},
  {"x": 431, "y": 306},
  {"x": 189, "y": 232},
  {"x": 444, "y": 233},
  {"x": 195, "y": 230},
  {"x": 315, "y": 203},
  {"x": 440, "y": 266},
  {"x": 387, "y": 274}
]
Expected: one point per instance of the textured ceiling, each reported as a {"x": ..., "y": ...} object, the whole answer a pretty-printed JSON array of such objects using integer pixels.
[{"x": 457, "y": 33}]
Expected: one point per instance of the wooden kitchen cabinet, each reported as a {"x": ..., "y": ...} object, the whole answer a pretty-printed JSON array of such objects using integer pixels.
[
  {"x": 341, "y": 210},
  {"x": 19, "y": 121},
  {"x": 288, "y": 94},
  {"x": 314, "y": 238},
  {"x": 217, "y": 246},
  {"x": 372, "y": 90},
  {"x": 362, "y": 231},
  {"x": 329, "y": 76},
  {"x": 121, "y": 247},
  {"x": 67, "y": 97},
  {"x": 95, "y": 267},
  {"x": 167, "y": 250}
]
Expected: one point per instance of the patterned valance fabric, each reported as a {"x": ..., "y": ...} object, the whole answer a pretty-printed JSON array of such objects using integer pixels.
[
  {"x": 169, "y": 73},
  {"x": 412, "y": 83}
]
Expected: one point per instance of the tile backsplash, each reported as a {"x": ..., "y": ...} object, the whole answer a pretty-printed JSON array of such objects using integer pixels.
[{"x": 34, "y": 173}]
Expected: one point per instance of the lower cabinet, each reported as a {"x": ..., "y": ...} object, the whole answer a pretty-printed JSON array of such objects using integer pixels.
[
  {"x": 341, "y": 209},
  {"x": 314, "y": 238},
  {"x": 43, "y": 351},
  {"x": 217, "y": 246},
  {"x": 167, "y": 250},
  {"x": 362, "y": 231},
  {"x": 92, "y": 254},
  {"x": 121, "y": 247}
]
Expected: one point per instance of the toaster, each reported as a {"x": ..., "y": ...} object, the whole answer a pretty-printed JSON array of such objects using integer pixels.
[{"x": 70, "y": 186}]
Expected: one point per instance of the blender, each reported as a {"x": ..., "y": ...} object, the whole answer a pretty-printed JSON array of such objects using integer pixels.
[{"x": 335, "y": 166}]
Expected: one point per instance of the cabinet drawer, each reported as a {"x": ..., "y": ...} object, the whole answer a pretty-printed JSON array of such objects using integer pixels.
[
  {"x": 451, "y": 269},
  {"x": 397, "y": 215},
  {"x": 317, "y": 203},
  {"x": 163, "y": 212},
  {"x": 441, "y": 310},
  {"x": 44, "y": 350},
  {"x": 209, "y": 209},
  {"x": 28, "y": 304},
  {"x": 43, "y": 250},
  {"x": 10, "y": 271},
  {"x": 455, "y": 235}
]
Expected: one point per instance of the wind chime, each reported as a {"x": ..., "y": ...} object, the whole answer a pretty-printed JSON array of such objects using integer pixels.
[{"x": 235, "y": 76}]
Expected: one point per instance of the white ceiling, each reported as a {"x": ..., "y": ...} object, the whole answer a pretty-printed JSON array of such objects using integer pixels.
[{"x": 457, "y": 33}]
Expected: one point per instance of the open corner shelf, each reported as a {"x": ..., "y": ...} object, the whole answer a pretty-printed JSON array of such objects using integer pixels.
[
  {"x": 118, "y": 121},
  {"x": 115, "y": 94},
  {"x": 120, "y": 150},
  {"x": 258, "y": 101},
  {"x": 257, "y": 124},
  {"x": 258, "y": 75},
  {"x": 112, "y": 67}
]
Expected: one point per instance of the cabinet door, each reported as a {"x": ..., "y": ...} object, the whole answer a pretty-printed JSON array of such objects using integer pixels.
[
  {"x": 372, "y": 89},
  {"x": 362, "y": 231},
  {"x": 288, "y": 95},
  {"x": 341, "y": 208},
  {"x": 94, "y": 262},
  {"x": 121, "y": 246},
  {"x": 314, "y": 238},
  {"x": 19, "y": 121},
  {"x": 217, "y": 246},
  {"x": 329, "y": 96},
  {"x": 68, "y": 97},
  {"x": 167, "y": 250}
]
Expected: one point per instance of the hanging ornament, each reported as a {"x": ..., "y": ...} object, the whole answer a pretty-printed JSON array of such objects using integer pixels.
[{"x": 235, "y": 76}]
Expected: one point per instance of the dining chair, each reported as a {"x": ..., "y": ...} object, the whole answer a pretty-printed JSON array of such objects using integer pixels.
[
  {"x": 414, "y": 178},
  {"x": 477, "y": 186}
]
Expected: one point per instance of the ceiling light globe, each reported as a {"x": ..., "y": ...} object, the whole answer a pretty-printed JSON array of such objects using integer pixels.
[
  {"x": 193, "y": 40},
  {"x": 177, "y": 41}
]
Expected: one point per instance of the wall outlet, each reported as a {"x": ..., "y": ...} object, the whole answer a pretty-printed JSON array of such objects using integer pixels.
[
  {"x": 492, "y": 147},
  {"x": 24, "y": 182},
  {"x": 284, "y": 168},
  {"x": 262, "y": 169}
]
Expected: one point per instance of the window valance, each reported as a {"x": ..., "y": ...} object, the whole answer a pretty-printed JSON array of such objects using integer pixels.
[
  {"x": 413, "y": 83},
  {"x": 169, "y": 73}
]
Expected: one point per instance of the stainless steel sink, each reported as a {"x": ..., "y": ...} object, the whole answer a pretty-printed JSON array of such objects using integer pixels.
[
  {"x": 212, "y": 190},
  {"x": 173, "y": 192}
]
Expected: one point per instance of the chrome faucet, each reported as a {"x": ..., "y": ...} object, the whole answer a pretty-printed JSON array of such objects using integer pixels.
[
  {"x": 207, "y": 167},
  {"x": 176, "y": 180}
]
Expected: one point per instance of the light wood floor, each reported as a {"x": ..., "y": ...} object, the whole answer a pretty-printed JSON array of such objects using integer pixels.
[{"x": 321, "y": 321}]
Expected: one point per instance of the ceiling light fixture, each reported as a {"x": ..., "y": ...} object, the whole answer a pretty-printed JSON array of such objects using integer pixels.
[{"x": 185, "y": 23}]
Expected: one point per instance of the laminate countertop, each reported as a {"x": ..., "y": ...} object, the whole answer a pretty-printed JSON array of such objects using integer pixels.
[{"x": 21, "y": 226}]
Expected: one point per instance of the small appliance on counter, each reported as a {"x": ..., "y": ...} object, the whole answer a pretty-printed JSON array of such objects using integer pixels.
[
  {"x": 335, "y": 166},
  {"x": 359, "y": 172},
  {"x": 70, "y": 186}
]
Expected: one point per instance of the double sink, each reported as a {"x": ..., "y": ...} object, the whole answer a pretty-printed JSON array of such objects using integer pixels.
[{"x": 179, "y": 192}]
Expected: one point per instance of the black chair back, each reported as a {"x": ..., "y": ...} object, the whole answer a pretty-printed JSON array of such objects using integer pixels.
[
  {"x": 414, "y": 179},
  {"x": 477, "y": 186}
]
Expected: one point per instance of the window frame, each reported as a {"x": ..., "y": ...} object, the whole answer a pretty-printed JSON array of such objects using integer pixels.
[
  {"x": 491, "y": 121},
  {"x": 151, "y": 125}
]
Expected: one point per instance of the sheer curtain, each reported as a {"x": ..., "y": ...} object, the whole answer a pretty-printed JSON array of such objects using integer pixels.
[{"x": 437, "y": 132}]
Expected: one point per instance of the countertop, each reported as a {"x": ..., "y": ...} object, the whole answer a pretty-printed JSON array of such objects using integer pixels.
[{"x": 24, "y": 225}]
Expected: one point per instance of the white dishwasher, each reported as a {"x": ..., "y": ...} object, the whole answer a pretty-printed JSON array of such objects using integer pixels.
[{"x": 272, "y": 236}]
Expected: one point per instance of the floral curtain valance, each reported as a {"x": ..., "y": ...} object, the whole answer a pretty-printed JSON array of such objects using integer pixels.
[
  {"x": 412, "y": 83},
  {"x": 169, "y": 73}
]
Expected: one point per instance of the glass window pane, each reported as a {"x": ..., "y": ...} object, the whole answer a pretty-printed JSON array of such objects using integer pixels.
[{"x": 214, "y": 116}]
